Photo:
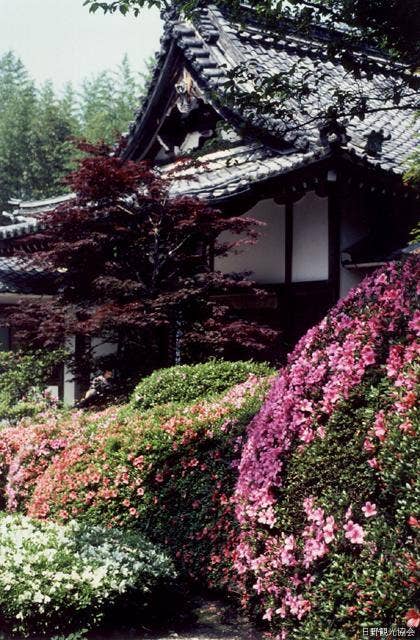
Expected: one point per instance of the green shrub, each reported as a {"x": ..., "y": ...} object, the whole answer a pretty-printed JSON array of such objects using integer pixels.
[
  {"x": 56, "y": 578},
  {"x": 187, "y": 383},
  {"x": 23, "y": 377},
  {"x": 169, "y": 472}
]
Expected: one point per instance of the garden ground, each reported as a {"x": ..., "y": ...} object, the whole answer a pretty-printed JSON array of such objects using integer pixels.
[{"x": 207, "y": 619}]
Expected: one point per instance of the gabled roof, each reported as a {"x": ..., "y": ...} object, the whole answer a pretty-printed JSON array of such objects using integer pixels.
[
  {"x": 214, "y": 45},
  {"x": 260, "y": 149}
]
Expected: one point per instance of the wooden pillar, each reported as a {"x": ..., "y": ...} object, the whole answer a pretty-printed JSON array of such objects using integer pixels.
[
  {"x": 288, "y": 316},
  {"x": 334, "y": 235}
]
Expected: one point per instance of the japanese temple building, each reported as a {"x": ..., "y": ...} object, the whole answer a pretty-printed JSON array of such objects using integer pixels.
[{"x": 330, "y": 192}]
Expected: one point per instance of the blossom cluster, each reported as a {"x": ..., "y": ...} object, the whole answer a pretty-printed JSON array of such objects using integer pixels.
[
  {"x": 368, "y": 336},
  {"x": 171, "y": 470},
  {"x": 53, "y": 575},
  {"x": 27, "y": 449}
]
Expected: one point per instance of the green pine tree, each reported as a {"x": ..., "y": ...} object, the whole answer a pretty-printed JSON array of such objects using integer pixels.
[
  {"x": 108, "y": 101},
  {"x": 17, "y": 106},
  {"x": 37, "y": 126}
]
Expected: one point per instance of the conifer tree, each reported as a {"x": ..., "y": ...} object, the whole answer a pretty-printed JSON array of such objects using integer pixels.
[
  {"x": 38, "y": 125},
  {"x": 17, "y": 105}
]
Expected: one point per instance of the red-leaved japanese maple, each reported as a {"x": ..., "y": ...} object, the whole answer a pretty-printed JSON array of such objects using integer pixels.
[{"x": 133, "y": 266}]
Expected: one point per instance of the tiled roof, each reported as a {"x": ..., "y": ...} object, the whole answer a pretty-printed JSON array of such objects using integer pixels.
[
  {"x": 213, "y": 46},
  {"x": 20, "y": 276},
  {"x": 234, "y": 171},
  {"x": 26, "y": 216}
]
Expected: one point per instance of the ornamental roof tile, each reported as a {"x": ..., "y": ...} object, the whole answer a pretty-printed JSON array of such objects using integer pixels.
[
  {"x": 213, "y": 46},
  {"x": 236, "y": 170}
]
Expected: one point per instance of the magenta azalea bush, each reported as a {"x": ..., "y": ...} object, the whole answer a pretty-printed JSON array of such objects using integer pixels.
[{"x": 327, "y": 487}]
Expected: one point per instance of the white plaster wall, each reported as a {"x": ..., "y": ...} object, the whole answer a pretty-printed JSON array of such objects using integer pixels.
[
  {"x": 266, "y": 258},
  {"x": 352, "y": 229},
  {"x": 53, "y": 391},
  {"x": 69, "y": 392},
  {"x": 310, "y": 239}
]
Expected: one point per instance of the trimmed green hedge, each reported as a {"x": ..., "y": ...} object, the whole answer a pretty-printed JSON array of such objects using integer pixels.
[
  {"x": 187, "y": 383},
  {"x": 169, "y": 472}
]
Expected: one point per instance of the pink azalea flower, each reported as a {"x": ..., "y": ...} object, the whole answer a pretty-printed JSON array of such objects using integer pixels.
[
  {"x": 373, "y": 463},
  {"x": 295, "y": 580},
  {"x": 405, "y": 426},
  {"x": 307, "y": 435},
  {"x": 354, "y": 532},
  {"x": 320, "y": 432},
  {"x": 289, "y": 543},
  {"x": 413, "y": 618},
  {"x": 308, "y": 503},
  {"x": 368, "y": 355},
  {"x": 268, "y": 614},
  {"x": 379, "y": 428},
  {"x": 328, "y": 529},
  {"x": 369, "y": 509},
  {"x": 368, "y": 446},
  {"x": 413, "y": 522},
  {"x": 382, "y": 279}
]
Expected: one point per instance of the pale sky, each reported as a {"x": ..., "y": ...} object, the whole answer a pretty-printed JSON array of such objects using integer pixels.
[{"x": 61, "y": 41}]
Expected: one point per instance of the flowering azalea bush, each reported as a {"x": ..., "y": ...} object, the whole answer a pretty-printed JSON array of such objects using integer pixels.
[
  {"x": 26, "y": 449},
  {"x": 169, "y": 472},
  {"x": 187, "y": 383},
  {"x": 327, "y": 487},
  {"x": 55, "y": 577}
]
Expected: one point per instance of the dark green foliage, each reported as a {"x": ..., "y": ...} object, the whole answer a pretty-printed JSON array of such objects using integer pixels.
[
  {"x": 186, "y": 383},
  {"x": 189, "y": 507},
  {"x": 334, "y": 467}
]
